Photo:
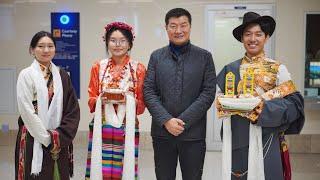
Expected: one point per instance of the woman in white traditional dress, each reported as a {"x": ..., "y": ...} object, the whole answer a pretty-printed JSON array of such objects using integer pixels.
[{"x": 49, "y": 116}]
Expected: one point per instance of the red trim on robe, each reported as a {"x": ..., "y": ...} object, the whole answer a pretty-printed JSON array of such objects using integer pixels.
[
  {"x": 22, "y": 151},
  {"x": 285, "y": 157}
]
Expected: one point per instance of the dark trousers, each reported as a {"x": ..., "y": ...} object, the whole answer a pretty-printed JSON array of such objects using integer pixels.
[{"x": 190, "y": 154}]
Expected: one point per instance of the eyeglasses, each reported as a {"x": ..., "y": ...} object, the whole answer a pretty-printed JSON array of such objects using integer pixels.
[
  {"x": 43, "y": 47},
  {"x": 121, "y": 42}
]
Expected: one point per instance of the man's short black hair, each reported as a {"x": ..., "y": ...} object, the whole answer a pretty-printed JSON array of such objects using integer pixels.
[
  {"x": 177, "y": 12},
  {"x": 265, "y": 28}
]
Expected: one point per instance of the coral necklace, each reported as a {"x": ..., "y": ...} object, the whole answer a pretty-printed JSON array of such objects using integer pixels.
[{"x": 116, "y": 72}]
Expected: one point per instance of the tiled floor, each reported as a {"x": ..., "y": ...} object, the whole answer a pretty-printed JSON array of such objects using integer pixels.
[{"x": 305, "y": 166}]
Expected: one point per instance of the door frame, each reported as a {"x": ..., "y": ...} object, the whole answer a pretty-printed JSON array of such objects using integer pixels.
[{"x": 213, "y": 126}]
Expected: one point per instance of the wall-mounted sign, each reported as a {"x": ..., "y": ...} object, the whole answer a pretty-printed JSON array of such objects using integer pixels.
[{"x": 65, "y": 28}]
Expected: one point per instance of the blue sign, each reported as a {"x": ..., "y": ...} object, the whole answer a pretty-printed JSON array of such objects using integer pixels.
[{"x": 65, "y": 28}]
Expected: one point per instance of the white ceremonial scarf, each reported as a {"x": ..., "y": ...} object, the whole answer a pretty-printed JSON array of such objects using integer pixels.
[
  {"x": 51, "y": 117},
  {"x": 255, "y": 155},
  {"x": 128, "y": 110},
  {"x": 96, "y": 153}
]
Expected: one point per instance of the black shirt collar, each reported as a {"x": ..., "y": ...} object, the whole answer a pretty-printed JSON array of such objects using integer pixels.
[{"x": 179, "y": 49}]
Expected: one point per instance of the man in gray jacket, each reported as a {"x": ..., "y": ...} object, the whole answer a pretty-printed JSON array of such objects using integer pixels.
[{"x": 179, "y": 88}]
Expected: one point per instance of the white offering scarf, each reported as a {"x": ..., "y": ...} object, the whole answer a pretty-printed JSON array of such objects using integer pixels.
[
  {"x": 255, "y": 154},
  {"x": 51, "y": 117},
  {"x": 114, "y": 119}
]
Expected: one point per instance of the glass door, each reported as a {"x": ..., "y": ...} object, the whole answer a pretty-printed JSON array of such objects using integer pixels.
[{"x": 220, "y": 22}]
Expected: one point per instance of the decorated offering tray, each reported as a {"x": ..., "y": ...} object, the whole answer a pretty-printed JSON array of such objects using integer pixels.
[
  {"x": 113, "y": 95},
  {"x": 242, "y": 103}
]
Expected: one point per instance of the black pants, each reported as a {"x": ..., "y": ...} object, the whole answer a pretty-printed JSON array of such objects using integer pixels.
[{"x": 191, "y": 158}]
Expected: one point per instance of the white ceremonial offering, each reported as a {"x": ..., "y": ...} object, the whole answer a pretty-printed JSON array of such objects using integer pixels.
[{"x": 241, "y": 103}]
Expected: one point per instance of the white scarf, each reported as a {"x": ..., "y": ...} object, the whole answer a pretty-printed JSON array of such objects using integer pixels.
[
  {"x": 255, "y": 155},
  {"x": 51, "y": 117},
  {"x": 114, "y": 119}
]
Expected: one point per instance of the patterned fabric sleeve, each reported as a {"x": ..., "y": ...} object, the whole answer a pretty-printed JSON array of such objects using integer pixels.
[
  {"x": 141, "y": 72},
  {"x": 55, "y": 141},
  {"x": 93, "y": 88},
  {"x": 285, "y": 110}
]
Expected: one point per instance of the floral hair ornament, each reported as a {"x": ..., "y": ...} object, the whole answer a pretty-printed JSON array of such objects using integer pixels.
[{"x": 118, "y": 25}]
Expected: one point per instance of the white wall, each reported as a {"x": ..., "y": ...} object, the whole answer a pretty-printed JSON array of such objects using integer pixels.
[
  {"x": 23, "y": 19},
  {"x": 290, "y": 47}
]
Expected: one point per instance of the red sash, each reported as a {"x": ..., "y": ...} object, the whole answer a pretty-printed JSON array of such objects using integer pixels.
[{"x": 285, "y": 157}]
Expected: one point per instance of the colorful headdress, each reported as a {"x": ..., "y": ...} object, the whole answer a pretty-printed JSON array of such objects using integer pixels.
[{"x": 119, "y": 25}]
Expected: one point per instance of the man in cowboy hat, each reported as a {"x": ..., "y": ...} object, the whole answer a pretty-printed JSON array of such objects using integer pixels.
[{"x": 253, "y": 140}]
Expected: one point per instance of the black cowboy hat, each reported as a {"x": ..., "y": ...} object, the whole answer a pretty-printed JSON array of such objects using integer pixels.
[{"x": 252, "y": 17}]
